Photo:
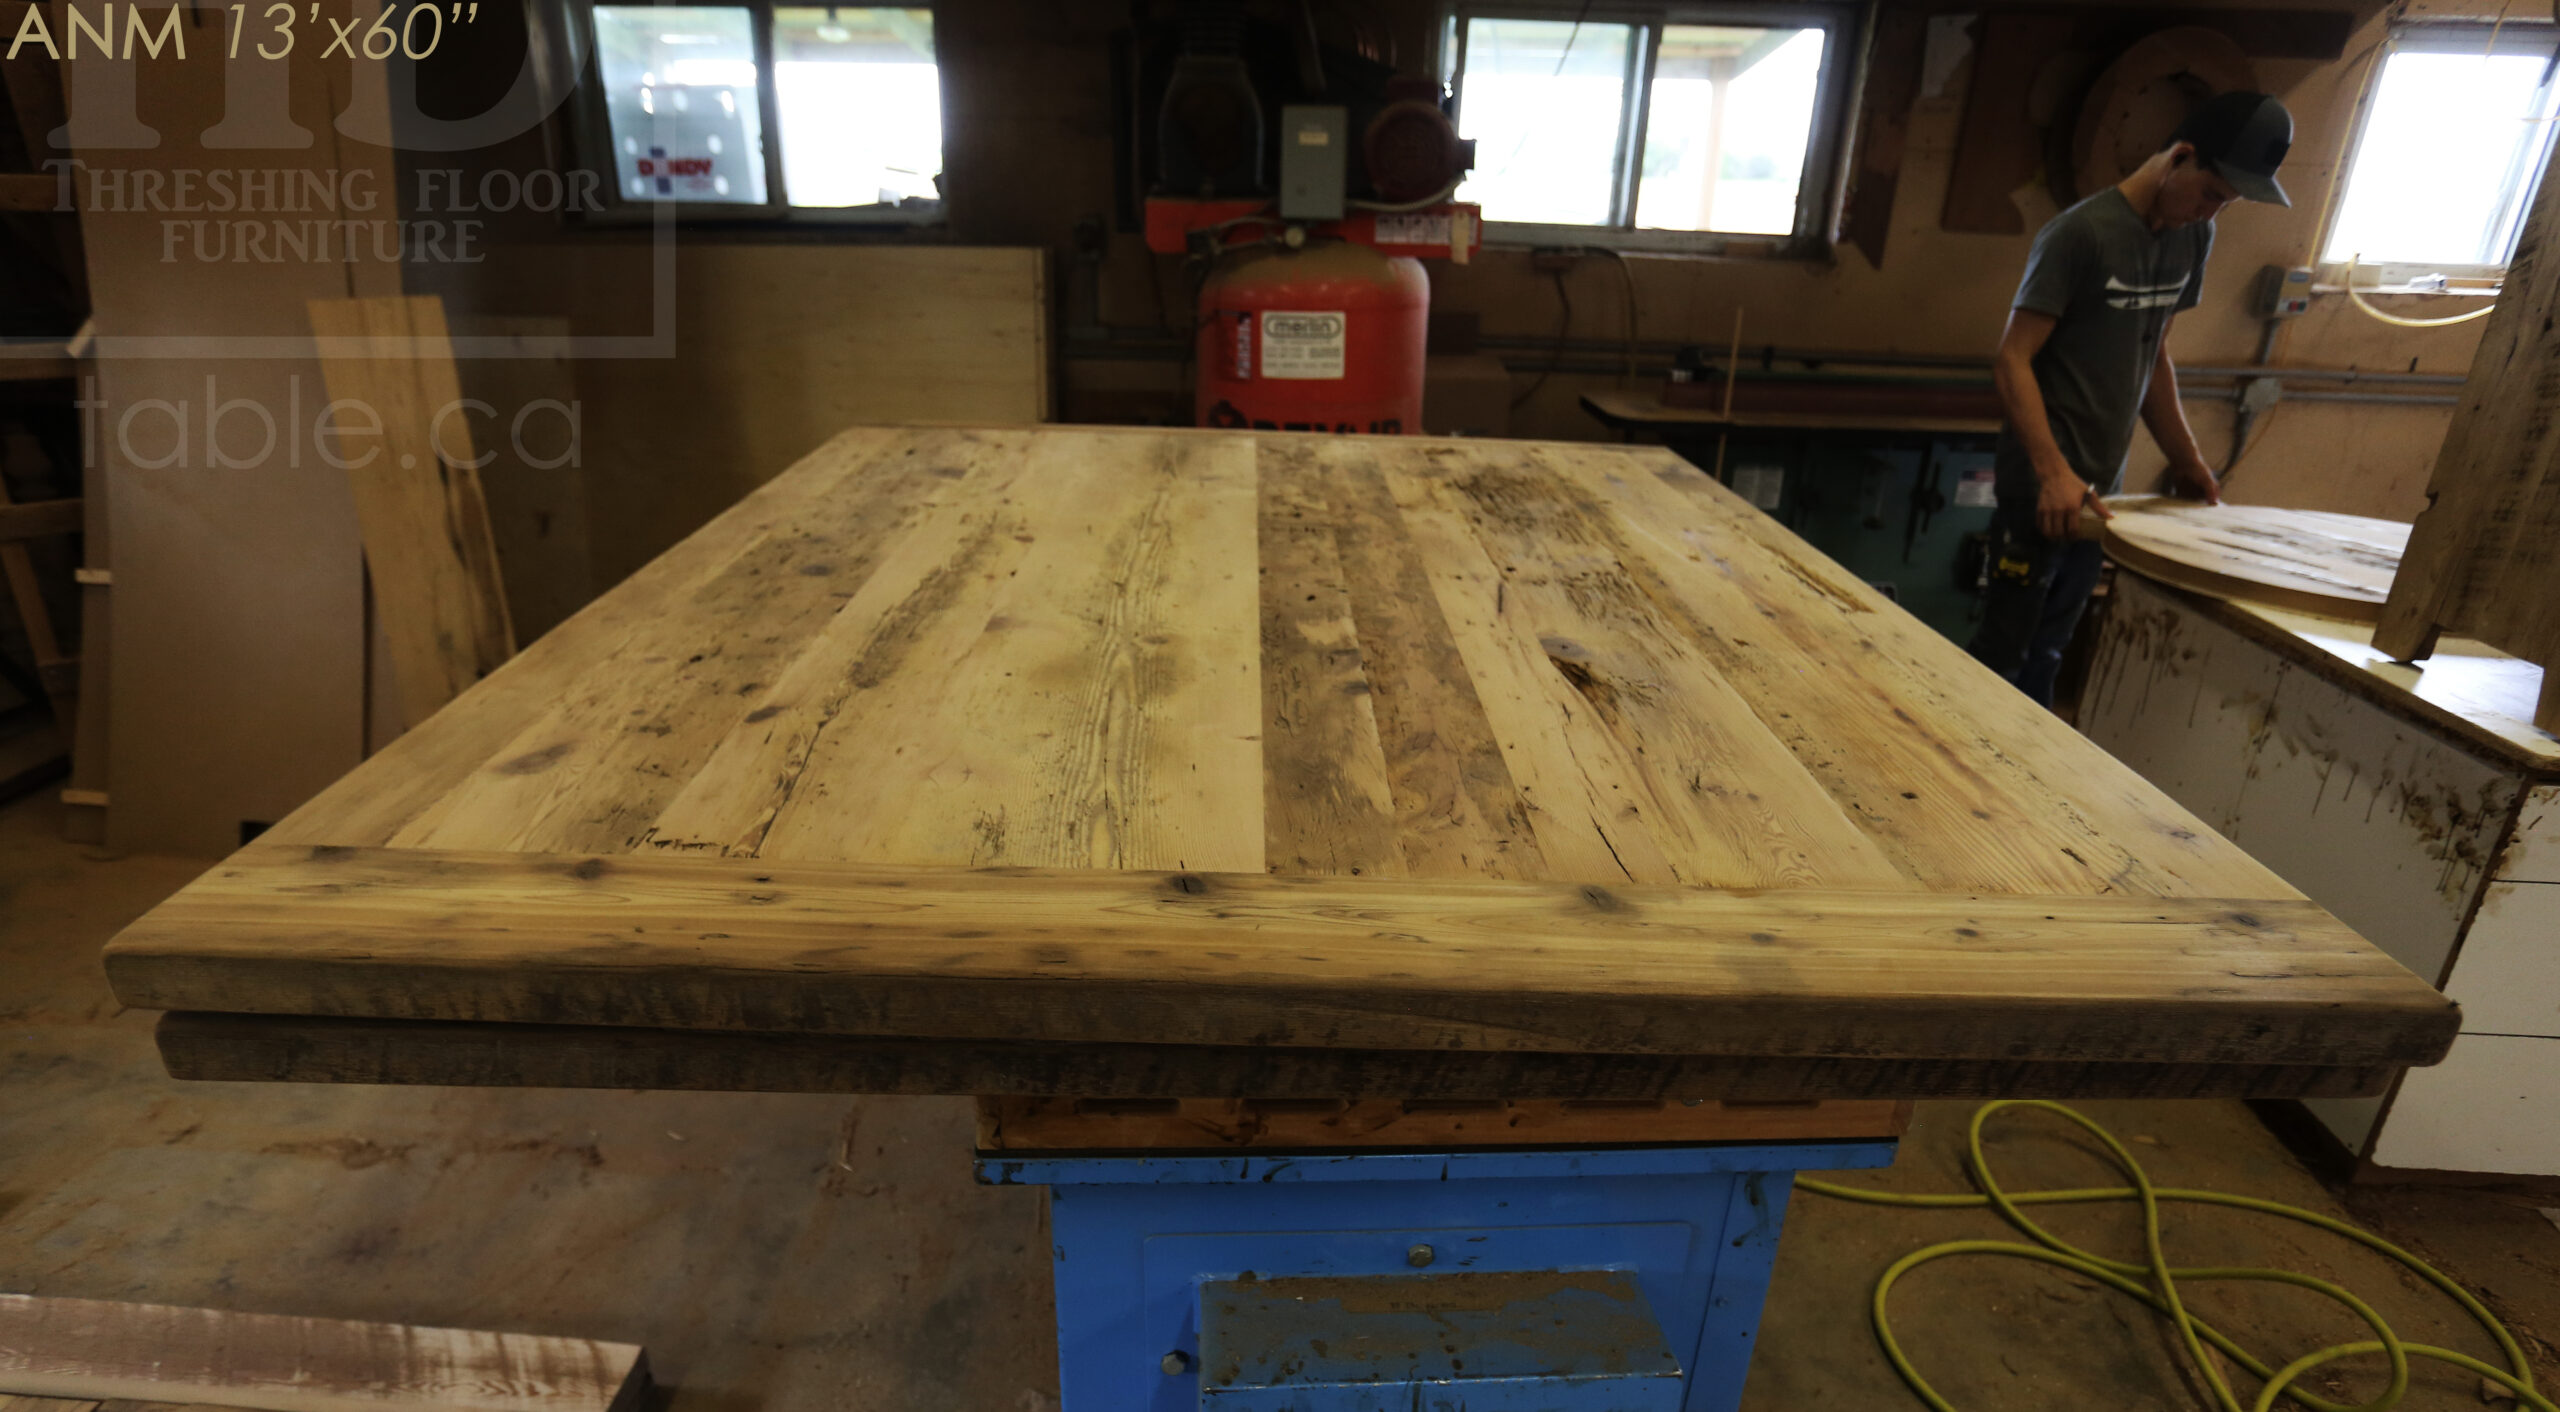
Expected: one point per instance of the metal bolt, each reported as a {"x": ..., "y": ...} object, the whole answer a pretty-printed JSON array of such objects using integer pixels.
[
  {"x": 1420, "y": 1256},
  {"x": 1175, "y": 1363}
]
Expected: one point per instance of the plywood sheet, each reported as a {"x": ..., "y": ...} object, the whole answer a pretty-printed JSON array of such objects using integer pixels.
[
  {"x": 2310, "y": 561},
  {"x": 1376, "y": 744}
]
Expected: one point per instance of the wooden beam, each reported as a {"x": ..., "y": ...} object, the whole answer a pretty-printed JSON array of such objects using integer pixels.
[
  {"x": 95, "y": 1350},
  {"x": 1222, "y": 959},
  {"x": 308, "y": 1049},
  {"x": 39, "y": 518}
]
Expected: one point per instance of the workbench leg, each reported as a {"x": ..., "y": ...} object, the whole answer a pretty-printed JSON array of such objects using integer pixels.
[{"x": 1754, "y": 1216}]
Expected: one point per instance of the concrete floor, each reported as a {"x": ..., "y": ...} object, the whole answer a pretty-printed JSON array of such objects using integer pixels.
[{"x": 823, "y": 1252}]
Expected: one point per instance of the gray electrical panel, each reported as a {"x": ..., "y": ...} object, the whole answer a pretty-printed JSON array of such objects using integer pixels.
[{"x": 1314, "y": 153}]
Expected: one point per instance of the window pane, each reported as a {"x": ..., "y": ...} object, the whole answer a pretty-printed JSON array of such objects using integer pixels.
[
  {"x": 859, "y": 104},
  {"x": 1725, "y": 134},
  {"x": 680, "y": 91},
  {"x": 2448, "y": 155},
  {"x": 1542, "y": 99}
]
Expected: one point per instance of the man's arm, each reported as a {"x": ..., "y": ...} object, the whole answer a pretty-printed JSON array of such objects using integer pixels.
[
  {"x": 2167, "y": 418},
  {"x": 2060, "y": 491}
]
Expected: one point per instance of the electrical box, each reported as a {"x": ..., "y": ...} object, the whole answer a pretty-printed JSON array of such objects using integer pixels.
[
  {"x": 1315, "y": 144},
  {"x": 2284, "y": 293}
]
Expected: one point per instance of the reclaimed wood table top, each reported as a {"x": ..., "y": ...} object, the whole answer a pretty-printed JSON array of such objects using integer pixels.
[
  {"x": 1189, "y": 763},
  {"x": 2309, "y": 561}
]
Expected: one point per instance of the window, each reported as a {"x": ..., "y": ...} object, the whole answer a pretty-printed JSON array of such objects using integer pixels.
[
  {"x": 2455, "y": 131},
  {"x": 1671, "y": 127},
  {"x": 752, "y": 110}
]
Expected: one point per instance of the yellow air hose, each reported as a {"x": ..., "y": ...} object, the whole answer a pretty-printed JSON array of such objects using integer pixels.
[{"x": 2156, "y": 1281}]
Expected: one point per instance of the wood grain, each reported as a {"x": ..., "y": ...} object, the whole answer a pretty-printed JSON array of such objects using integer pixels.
[
  {"x": 93, "y": 1350},
  {"x": 1392, "y": 705},
  {"x": 312, "y": 1049},
  {"x": 1205, "y": 958},
  {"x": 2309, "y": 561}
]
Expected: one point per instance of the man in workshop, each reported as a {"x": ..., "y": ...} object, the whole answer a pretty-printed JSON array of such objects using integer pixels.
[{"x": 2086, "y": 351}]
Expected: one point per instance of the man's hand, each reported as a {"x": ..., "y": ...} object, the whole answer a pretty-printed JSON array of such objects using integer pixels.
[
  {"x": 2058, "y": 502},
  {"x": 2196, "y": 480}
]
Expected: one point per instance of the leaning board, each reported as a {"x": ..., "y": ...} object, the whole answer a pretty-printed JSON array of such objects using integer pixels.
[{"x": 1159, "y": 753}]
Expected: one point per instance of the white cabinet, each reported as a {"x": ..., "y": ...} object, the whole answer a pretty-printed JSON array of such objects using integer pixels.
[{"x": 2418, "y": 805}]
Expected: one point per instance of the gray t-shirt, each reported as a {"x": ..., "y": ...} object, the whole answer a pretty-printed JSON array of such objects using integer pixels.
[{"x": 2112, "y": 286}]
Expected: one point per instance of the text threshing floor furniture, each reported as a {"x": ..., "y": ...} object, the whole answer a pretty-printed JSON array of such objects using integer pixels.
[{"x": 1146, "y": 766}]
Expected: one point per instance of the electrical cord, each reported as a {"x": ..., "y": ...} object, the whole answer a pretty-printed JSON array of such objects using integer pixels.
[
  {"x": 2155, "y": 1282},
  {"x": 1627, "y": 278},
  {"x": 1564, "y": 327},
  {"x": 2355, "y": 296}
]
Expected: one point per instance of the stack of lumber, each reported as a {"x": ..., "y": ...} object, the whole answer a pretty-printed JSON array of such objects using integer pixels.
[{"x": 1179, "y": 764}]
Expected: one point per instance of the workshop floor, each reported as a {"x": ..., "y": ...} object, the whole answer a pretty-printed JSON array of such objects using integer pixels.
[{"x": 829, "y": 1253}]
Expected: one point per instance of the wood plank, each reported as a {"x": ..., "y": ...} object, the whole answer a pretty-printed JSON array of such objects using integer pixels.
[
  {"x": 1202, "y": 958},
  {"x": 1662, "y": 744},
  {"x": 432, "y": 562},
  {"x": 742, "y": 572},
  {"x": 1328, "y": 796},
  {"x": 537, "y": 485},
  {"x": 619, "y": 742},
  {"x": 1963, "y": 787},
  {"x": 93, "y": 1350},
  {"x": 2338, "y": 566},
  {"x": 1109, "y": 682},
  {"x": 39, "y": 518},
  {"x": 311, "y": 1049},
  {"x": 1458, "y": 812},
  {"x": 1009, "y": 1124}
]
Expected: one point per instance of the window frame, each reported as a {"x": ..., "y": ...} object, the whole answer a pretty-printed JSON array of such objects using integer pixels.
[
  {"x": 1819, "y": 186},
  {"x": 2522, "y": 36},
  {"x": 591, "y": 133}
]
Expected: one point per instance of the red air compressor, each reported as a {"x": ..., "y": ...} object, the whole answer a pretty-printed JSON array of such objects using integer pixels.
[
  {"x": 1328, "y": 337},
  {"x": 1314, "y": 310}
]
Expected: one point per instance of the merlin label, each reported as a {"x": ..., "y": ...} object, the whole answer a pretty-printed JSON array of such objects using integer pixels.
[{"x": 1298, "y": 343}]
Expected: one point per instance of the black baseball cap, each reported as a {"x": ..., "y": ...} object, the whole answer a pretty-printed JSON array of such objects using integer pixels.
[{"x": 2242, "y": 137}]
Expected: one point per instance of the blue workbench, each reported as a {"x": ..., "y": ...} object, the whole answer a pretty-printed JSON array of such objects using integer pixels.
[{"x": 1346, "y": 1282}]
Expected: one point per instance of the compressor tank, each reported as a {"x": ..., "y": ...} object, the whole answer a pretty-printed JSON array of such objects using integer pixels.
[{"x": 1330, "y": 337}]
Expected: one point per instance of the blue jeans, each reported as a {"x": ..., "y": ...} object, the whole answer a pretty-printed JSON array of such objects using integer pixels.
[{"x": 2033, "y": 603}]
